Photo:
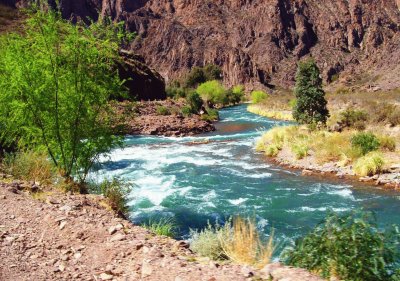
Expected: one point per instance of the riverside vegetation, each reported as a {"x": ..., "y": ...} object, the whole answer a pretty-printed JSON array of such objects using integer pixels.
[
  {"x": 55, "y": 114},
  {"x": 342, "y": 142}
]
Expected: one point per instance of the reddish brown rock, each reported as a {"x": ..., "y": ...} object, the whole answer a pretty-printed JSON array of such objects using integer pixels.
[{"x": 259, "y": 42}]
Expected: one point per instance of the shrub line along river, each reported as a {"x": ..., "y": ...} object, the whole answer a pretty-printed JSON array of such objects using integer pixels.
[{"x": 213, "y": 176}]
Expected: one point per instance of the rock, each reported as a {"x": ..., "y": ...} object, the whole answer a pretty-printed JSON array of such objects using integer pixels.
[
  {"x": 77, "y": 255},
  {"x": 143, "y": 82},
  {"x": 118, "y": 237},
  {"x": 307, "y": 173},
  {"x": 115, "y": 228},
  {"x": 62, "y": 225},
  {"x": 105, "y": 276},
  {"x": 147, "y": 270},
  {"x": 3, "y": 197},
  {"x": 246, "y": 272}
]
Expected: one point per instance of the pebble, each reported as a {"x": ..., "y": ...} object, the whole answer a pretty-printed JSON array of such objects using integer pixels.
[
  {"x": 62, "y": 225},
  {"x": 105, "y": 276},
  {"x": 118, "y": 237}
]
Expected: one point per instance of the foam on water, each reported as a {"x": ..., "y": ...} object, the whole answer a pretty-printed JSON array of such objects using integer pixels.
[{"x": 217, "y": 175}]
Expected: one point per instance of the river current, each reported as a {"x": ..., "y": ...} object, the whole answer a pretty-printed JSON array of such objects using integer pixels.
[{"x": 214, "y": 176}]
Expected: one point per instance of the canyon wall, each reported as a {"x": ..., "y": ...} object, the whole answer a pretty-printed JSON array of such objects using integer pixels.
[{"x": 258, "y": 42}]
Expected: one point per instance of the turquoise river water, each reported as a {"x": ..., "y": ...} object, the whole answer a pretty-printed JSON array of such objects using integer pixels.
[{"x": 213, "y": 176}]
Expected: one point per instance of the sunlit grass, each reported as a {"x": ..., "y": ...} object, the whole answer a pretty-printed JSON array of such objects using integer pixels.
[{"x": 162, "y": 226}]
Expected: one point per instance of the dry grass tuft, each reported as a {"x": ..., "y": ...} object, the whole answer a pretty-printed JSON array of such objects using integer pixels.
[
  {"x": 369, "y": 165},
  {"x": 30, "y": 166},
  {"x": 244, "y": 245}
]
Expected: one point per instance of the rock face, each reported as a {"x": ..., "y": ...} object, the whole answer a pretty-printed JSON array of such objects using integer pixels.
[
  {"x": 258, "y": 42},
  {"x": 143, "y": 82}
]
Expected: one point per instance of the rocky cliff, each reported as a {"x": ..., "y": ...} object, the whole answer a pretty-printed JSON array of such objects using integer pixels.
[{"x": 258, "y": 42}]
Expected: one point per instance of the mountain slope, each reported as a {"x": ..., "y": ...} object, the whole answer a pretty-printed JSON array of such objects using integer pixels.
[{"x": 258, "y": 42}]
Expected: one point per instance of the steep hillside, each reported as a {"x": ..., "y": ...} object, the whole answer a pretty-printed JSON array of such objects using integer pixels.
[{"x": 258, "y": 42}]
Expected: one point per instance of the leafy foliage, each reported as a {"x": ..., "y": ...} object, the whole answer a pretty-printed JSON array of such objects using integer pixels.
[
  {"x": 353, "y": 118},
  {"x": 366, "y": 142},
  {"x": 212, "y": 92},
  {"x": 194, "y": 101},
  {"x": 350, "y": 247},
  {"x": 116, "y": 192},
  {"x": 311, "y": 106},
  {"x": 162, "y": 226},
  {"x": 200, "y": 75},
  {"x": 55, "y": 83},
  {"x": 207, "y": 243},
  {"x": 162, "y": 110},
  {"x": 258, "y": 96}
]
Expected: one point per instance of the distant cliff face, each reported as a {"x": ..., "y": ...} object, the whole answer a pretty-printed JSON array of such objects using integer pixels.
[{"x": 258, "y": 42}]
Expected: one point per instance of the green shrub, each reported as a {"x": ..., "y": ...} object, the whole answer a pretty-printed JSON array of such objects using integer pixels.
[
  {"x": 353, "y": 118},
  {"x": 272, "y": 150},
  {"x": 194, "y": 101},
  {"x": 387, "y": 143},
  {"x": 292, "y": 103},
  {"x": 207, "y": 242},
  {"x": 162, "y": 110},
  {"x": 300, "y": 150},
  {"x": 186, "y": 111},
  {"x": 162, "y": 226},
  {"x": 175, "y": 92},
  {"x": 115, "y": 191},
  {"x": 29, "y": 166},
  {"x": 212, "y": 92},
  {"x": 350, "y": 247},
  {"x": 369, "y": 165},
  {"x": 199, "y": 75},
  {"x": 366, "y": 142},
  {"x": 258, "y": 96},
  {"x": 212, "y": 115},
  {"x": 236, "y": 95}
]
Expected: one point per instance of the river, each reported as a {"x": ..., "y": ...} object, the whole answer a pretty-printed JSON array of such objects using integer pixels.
[{"x": 211, "y": 177}]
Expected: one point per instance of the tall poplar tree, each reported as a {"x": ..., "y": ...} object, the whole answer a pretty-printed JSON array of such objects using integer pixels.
[{"x": 311, "y": 106}]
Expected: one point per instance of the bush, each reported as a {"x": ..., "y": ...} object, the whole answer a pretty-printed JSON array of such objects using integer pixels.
[
  {"x": 29, "y": 166},
  {"x": 349, "y": 247},
  {"x": 115, "y": 191},
  {"x": 387, "y": 143},
  {"x": 237, "y": 240},
  {"x": 194, "y": 101},
  {"x": 162, "y": 226},
  {"x": 162, "y": 110},
  {"x": 366, "y": 142},
  {"x": 300, "y": 150},
  {"x": 199, "y": 75},
  {"x": 213, "y": 93},
  {"x": 258, "y": 96},
  {"x": 242, "y": 243},
  {"x": 369, "y": 165},
  {"x": 212, "y": 115},
  {"x": 186, "y": 111},
  {"x": 236, "y": 94},
  {"x": 272, "y": 150},
  {"x": 394, "y": 117},
  {"x": 175, "y": 92},
  {"x": 207, "y": 242},
  {"x": 354, "y": 118}
]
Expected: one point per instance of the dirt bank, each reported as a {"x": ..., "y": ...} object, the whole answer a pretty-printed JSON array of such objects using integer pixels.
[{"x": 57, "y": 236}]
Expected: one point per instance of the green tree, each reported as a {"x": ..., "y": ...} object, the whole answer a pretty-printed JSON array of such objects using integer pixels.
[
  {"x": 55, "y": 83},
  {"x": 194, "y": 101},
  {"x": 258, "y": 96},
  {"x": 198, "y": 75},
  {"x": 212, "y": 92},
  {"x": 311, "y": 103}
]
